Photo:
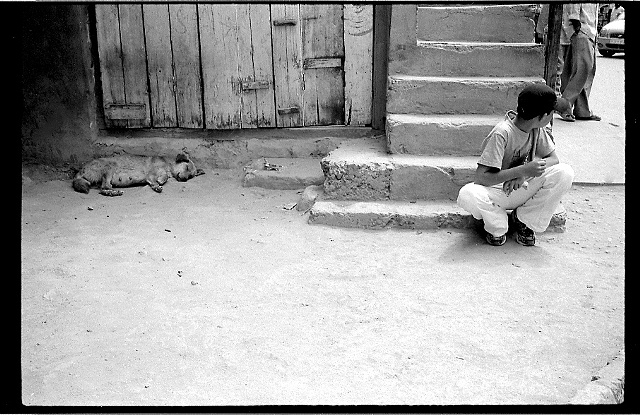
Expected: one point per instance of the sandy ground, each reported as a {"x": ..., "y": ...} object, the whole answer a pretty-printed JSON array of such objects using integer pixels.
[{"x": 215, "y": 294}]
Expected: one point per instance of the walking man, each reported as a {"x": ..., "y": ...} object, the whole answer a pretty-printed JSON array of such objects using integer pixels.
[{"x": 577, "y": 58}]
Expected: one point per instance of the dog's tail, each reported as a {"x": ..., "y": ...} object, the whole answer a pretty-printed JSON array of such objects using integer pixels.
[{"x": 81, "y": 184}]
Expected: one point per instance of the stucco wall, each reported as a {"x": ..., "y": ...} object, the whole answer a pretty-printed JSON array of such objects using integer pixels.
[
  {"x": 402, "y": 36},
  {"x": 59, "y": 110}
]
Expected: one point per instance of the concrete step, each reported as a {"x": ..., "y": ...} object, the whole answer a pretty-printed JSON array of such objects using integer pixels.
[
  {"x": 454, "y": 95},
  {"x": 438, "y": 135},
  {"x": 363, "y": 170},
  {"x": 404, "y": 215},
  {"x": 436, "y": 58},
  {"x": 287, "y": 173},
  {"x": 486, "y": 23}
]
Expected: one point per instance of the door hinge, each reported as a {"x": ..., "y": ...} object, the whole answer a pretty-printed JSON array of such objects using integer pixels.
[{"x": 125, "y": 111}]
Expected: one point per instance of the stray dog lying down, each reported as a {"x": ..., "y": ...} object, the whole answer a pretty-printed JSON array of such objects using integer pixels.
[{"x": 131, "y": 170}]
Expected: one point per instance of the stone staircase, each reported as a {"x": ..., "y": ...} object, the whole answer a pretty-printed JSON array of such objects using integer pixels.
[{"x": 454, "y": 71}]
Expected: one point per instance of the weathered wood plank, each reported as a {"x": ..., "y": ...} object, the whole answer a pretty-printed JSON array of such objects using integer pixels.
[
  {"x": 358, "y": 63},
  {"x": 322, "y": 37},
  {"x": 219, "y": 44},
  {"x": 109, "y": 53},
  {"x": 134, "y": 62},
  {"x": 259, "y": 103},
  {"x": 249, "y": 108},
  {"x": 317, "y": 63},
  {"x": 131, "y": 112},
  {"x": 186, "y": 62},
  {"x": 160, "y": 65},
  {"x": 287, "y": 62}
]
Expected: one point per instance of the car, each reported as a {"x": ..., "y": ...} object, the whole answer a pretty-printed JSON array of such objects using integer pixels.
[{"x": 611, "y": 37}]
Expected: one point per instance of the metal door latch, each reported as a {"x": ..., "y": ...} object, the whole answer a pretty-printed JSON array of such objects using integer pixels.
[
  {"x": 251, "y": 85},
  {"x": 290, "y": 110},
  {"x": 285, "y": 22}
]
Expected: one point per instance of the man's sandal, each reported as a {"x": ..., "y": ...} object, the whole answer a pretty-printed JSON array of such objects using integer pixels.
[
  {"x": 591, "y": 117},
  {"x": 567, "y": 117}
]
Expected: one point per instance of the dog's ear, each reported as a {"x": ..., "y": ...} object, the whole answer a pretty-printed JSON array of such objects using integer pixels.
[
  {"x": 182, "y": 157},
  {"x": 199, "y": 172}
]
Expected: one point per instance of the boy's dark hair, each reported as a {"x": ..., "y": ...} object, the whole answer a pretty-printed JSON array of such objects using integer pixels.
[{"x": 536, "y": 100}]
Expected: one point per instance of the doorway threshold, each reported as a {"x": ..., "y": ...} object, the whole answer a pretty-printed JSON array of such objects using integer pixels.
[{"x": 230, "y": 148}]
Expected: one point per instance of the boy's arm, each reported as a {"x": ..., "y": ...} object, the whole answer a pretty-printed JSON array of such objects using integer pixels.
[
  {"x": 489, "y": 176},
  {"x": 551, "y": 159}
]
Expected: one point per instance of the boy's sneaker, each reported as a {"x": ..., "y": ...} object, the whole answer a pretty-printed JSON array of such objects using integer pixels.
[
  {"x": 524, "y": 235},
  {"x": 496, "y": 240}
]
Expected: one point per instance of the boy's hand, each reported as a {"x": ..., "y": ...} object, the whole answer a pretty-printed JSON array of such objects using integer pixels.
[
  {"x": 513, "y": 184},
  {"x": 534, "y": 168}
]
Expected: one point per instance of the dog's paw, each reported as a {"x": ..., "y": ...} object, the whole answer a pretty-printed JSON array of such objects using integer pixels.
[
  {"x": 157, "y": 189},
  {"x": 111, "y": 192}
]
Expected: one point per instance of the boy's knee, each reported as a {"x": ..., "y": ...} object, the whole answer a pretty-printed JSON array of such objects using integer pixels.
[
  {"x": 467, "y": 195},
  {"x": 465, "y": 192},
  {"x": 561, "y": 176},
  {"x": 565, "y": 173}
]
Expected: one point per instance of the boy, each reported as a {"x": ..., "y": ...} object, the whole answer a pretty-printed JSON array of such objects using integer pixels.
[{"x": 519, "y": 170}]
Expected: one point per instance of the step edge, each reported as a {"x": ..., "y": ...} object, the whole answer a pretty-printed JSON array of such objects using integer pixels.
[
  {"x": 474, "y": 119},
  {"x": 395, "y": 209},
  {"x": 395, "y": 161},
  {"x": 463, "y": 79},
  {"x": 469, "y": 43}
]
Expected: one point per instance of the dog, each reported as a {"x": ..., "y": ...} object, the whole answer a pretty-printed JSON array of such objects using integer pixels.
[{"x": 131, "y": 170}]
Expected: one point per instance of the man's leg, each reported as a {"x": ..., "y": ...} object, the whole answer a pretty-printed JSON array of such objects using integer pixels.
[
  {"x": 578, "y": 74},
  {"x": 581, "y": 108}
]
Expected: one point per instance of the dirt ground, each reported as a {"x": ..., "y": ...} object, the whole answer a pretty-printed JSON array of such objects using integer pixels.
[{"x": 215, "y": 294}]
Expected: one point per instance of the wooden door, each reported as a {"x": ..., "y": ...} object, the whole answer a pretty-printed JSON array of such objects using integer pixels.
[
  {"x": 231, "y": 66},
  {"x": 123, "y": 65},
  {"x": 237, "y": 65}
]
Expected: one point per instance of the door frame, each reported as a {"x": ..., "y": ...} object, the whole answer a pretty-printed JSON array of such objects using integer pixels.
[{"x": 381, "y": 32}]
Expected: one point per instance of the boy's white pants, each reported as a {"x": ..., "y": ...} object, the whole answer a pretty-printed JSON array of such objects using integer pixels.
[{"x": 536, "y": 204}]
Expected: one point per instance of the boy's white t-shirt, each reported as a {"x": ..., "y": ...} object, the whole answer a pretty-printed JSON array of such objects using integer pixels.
[{"x": 507, "y": 146}]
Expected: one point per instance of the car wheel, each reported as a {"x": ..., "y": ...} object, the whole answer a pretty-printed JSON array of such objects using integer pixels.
[{"x": 606, "y": 53}]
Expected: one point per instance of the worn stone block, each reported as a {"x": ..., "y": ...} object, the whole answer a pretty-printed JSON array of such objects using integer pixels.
[
  {"x": 293, "y": 173},
  {"x": 469, "y": 59},
  {"x": 365, "y": 171},
  {"x": 449, "y": 95},
  {"x": 367, "y": 181},
  {"x": 437, "y": 135},
  {"x": 430, "y": 178},
  {"x": 489, "y": 23},
  {"x": 359, "y": 169}
]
